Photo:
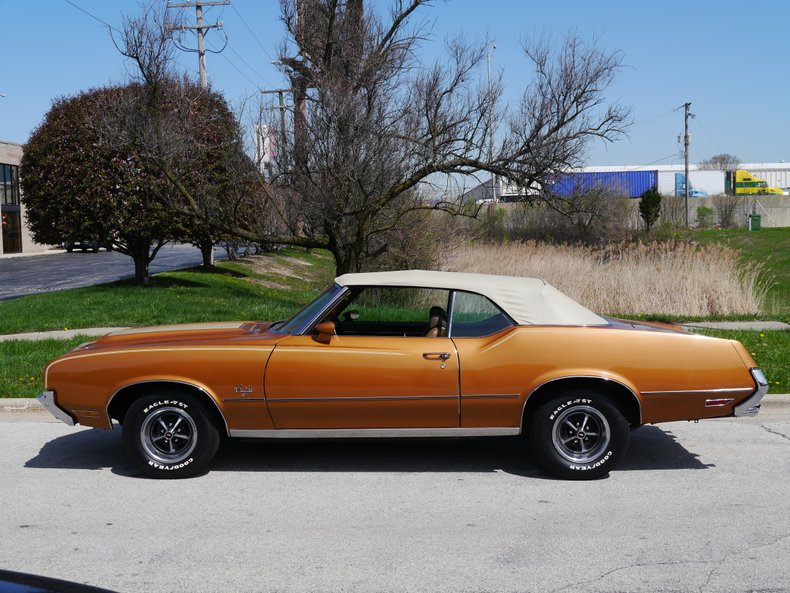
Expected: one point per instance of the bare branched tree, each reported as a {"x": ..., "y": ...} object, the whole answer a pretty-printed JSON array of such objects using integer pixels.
[
  {"x": 375, "y": 129},
  {"x": 720, "y": 162}
]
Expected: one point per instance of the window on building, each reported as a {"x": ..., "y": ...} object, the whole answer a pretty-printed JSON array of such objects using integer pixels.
[{"x": 9, "y": 185}]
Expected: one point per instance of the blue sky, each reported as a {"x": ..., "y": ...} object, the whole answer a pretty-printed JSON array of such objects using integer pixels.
[{"x": 729, "y": 59}]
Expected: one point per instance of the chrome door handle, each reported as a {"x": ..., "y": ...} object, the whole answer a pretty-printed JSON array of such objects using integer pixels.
[{"x": 436, "y": 355}]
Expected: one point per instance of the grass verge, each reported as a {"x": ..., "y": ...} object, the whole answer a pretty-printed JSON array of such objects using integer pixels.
[
  {"x": 771, "y": 350},
  {"x": 24, "y": 360},
  {"x": 264, "y": 289},
  {"x": 768, "y": 247}
]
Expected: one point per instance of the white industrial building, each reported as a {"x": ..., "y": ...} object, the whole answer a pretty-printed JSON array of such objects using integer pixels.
[{"x": 774, "y": 174}]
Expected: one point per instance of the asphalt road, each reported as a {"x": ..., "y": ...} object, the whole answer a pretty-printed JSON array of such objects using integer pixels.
[
  {"x": 33, "y": 274},
  {"x": 695, "y": 507}
]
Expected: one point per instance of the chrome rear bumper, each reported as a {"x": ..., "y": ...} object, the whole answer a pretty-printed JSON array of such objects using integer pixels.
[
  {"x": 47, "y": 399},
  {"x": 751, "y": 405}
]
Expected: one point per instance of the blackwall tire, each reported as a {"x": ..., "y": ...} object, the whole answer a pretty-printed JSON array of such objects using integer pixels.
[
  {"x": 170, "y": 435},
  {"x": 578, "y": 435}
]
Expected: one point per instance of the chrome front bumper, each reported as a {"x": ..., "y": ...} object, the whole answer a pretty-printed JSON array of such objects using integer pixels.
[
  {"x": 751, "y": 405},
  {"x": 47, "y": 399}
]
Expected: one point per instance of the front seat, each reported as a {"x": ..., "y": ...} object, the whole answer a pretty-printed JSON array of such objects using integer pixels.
[{"x": 437, "y": 323}]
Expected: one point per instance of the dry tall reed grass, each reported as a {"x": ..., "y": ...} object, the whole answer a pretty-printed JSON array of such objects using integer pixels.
[{"x": 672, "y": 278}]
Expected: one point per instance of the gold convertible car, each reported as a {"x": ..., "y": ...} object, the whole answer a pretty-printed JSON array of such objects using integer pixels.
[{"x": 404, "y": 354}]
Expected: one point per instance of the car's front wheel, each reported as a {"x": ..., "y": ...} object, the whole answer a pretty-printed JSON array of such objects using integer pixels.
[
  {"x": 170, "y": 435},
  {"x": 578, "y": 435}
]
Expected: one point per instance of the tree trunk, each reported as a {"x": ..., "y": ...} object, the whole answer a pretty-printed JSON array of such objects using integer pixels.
[
  {"x": 206, "y": 250},
  {"x": 141, "y": 267},
  {"x": 348, "y": 258}
]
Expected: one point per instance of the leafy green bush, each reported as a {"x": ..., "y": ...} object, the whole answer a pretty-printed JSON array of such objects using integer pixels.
[{"x": 704, "y": 217}]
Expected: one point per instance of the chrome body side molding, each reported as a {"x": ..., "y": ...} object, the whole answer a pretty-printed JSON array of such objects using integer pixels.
[
  {"x": 353, "y": 399},
  {"x": 387, "y": 433},
  {"x": 722, "y": 390}
]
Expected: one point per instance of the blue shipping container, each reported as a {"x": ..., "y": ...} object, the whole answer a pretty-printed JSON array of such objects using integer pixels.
[{"x": 628, "y": 183}]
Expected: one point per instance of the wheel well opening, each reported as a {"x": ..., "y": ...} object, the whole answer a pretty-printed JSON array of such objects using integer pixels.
[
  {"x": 124, "y": 398},
  {"x": 620, "y": 395}
]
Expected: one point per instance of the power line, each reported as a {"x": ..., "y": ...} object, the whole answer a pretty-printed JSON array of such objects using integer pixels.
[
  {"x": 652, "y": 119},
  {"x": 253, "y": 70},
  {"x": 93, "y": 16},
  {"x": 251, "y": 32},
  {"x": 237, "y": 69}
]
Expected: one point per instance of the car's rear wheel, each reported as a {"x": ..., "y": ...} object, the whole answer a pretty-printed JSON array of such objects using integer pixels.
[
  {"x": 578, "y": 435},
  {"x": 170, "y": 435}
]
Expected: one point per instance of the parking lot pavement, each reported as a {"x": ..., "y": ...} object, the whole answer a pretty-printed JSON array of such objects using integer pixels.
[
  {"x": 694, "y": 507},
  {"x": 33, "y": 274}
]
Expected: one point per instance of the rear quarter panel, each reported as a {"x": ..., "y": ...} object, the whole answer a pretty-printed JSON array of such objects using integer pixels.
[{"x": 672, "y": 374}]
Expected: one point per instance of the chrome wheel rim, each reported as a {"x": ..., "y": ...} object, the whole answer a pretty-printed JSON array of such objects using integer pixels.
[
  {"x": 168, "y": 435},
  {"x": 581, "y": 434}
]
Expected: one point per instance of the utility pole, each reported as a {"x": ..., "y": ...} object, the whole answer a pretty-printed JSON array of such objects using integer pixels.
[
  {"x": 686, "y": 142},
  {"x": 280, "y": 96},
  {"x": 200, "y": 28}
]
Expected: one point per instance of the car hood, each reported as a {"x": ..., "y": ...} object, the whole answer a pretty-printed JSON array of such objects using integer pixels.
[{"x": 185, "y": 334}]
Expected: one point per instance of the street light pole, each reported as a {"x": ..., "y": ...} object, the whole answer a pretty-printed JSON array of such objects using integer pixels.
[{"x": 491, "y": 121}]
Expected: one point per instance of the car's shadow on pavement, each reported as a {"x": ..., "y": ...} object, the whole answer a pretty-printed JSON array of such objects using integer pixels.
[{"x": 651, "y": 449}]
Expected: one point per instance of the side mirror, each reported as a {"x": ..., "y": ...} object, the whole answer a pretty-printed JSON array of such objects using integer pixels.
[{"x": 325, "y": 331}]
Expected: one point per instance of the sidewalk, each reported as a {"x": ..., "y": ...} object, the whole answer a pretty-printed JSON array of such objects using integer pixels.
[
  {"x": 750, "y": 325},
  {"x": 52, "y": 251},
  {"x": 62, "y": 334}
]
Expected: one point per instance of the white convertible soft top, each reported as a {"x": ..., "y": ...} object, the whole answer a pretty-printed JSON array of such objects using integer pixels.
[{"x": 529, "y": 301}]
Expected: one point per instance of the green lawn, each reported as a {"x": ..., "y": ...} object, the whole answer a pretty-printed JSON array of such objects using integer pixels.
[
  {"x": 24, "y": 360},
  {"x": 768, "y": 247},
  {"x": 770, "y": 349},
  {"x": 230, "y": 292}
]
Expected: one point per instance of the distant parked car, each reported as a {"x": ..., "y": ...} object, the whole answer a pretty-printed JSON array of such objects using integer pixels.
[
  {"x": 86, "y": 245},
  {"x": 404, "y": 354}
]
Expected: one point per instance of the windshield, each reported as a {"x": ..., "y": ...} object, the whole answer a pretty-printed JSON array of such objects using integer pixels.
[{"x": 299, "y": 322}]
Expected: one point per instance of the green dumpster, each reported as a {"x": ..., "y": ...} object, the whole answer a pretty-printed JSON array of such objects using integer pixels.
[{"x": 755, "y": 221}]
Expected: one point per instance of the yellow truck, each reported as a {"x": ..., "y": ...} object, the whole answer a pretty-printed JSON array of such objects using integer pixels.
[{"x": 742, "y": 183}]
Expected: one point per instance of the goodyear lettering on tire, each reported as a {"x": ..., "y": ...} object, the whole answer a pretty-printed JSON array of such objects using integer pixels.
[
  {"x": 157, "y": 465},
  {"x": 598, "y": 463}
]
